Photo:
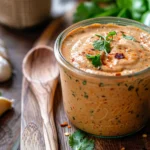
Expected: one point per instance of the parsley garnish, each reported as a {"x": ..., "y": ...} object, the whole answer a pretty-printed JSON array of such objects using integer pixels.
[
  {"x": 110, "y": 35},
  {"x": 129, "y": 37},
  {"x": 96, "y": 59},
  {"x": 104, "y": 42},
  {"x": 78, "y": 141},
  {"x": 84, "y": 82},
  {"x": 102, "y": 45}
]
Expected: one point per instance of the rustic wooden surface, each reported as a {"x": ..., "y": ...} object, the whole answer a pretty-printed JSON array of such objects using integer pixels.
[{"x": 19, "y": 42}]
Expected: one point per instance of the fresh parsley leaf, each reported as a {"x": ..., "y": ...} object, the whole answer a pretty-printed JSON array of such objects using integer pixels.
[
  {"x": 100, "y": 36},
  {"x": 96, "y": 59},
  {"x": 98, "y": 45},
  {"x": 102, "y": 45},
  {"x": 110, "y": 35},
  {"x": 129, "y": 37},
  {"x": 78, "y": 141}
]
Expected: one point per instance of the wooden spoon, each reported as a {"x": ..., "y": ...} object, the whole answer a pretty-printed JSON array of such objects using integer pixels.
[{"x": 40, "y": 69}]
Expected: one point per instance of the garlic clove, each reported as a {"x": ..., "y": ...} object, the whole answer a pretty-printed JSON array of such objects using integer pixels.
[
  {"x": 5, "y": 69},
  {"x": 5, "y": 104},
  {"x": 3, "y": 50}
]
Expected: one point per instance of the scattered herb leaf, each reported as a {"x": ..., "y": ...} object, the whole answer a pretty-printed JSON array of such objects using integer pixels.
[
  {"x": 86, "y": 95},
  {"x": 78, "y": 141},
  {"x": 110, "y": 35},
  {"x": 101, "y": 84},
  {"x": 96, "y": 60},
  {"x": 130, "y": 88},
  {"x": 84, "y": 82},
  {"x": 129, "y": 37}
]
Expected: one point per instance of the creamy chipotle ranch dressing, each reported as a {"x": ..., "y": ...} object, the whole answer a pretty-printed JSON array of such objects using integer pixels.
[
  {"x": 105, "y": 106},
  {"x": 136, "y": 52}
]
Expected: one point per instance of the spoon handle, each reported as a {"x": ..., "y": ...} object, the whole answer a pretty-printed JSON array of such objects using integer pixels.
[{"x": 44, "y": 94}]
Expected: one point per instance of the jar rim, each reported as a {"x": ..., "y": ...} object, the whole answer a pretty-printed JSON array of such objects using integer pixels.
[{"x": 102, "y": 20}]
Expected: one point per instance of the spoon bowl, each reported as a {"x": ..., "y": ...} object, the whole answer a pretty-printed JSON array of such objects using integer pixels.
[{"x": 40, "y": 65}]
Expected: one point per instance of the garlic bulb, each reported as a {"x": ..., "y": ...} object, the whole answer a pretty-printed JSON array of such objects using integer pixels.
[{"x": 5, "y": 69}]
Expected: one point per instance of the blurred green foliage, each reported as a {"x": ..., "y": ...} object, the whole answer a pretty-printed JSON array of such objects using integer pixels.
[{"x": 133, "y": 9}]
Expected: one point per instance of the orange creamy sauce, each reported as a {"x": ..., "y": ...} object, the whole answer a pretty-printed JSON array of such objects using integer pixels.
[{"x": 79, "y": 43}]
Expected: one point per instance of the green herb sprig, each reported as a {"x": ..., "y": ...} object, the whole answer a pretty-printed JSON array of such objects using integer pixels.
[
  {"x": 78, "y": 141},
  {"x": 96, "y": 59},
  {"x": 102, "y": 44}
]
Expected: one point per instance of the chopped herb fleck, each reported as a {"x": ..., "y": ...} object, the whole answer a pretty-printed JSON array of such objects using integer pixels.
[
  {"x": 84, "y": 82},
  {"x": 101, "y": 84},
  {"x": 73, "y": 94},
  {"x": 118, "y": 84},
  {"x": 130, "y": 88},
  {"x": 128, "y": 37},
  {"x": 73, "y": 118},
  {"x": 91, "y": 111},
  {"x": 86, "y": 95},
  {"x": 142, "y": 46},
  {"x": 137, "y": 89}
]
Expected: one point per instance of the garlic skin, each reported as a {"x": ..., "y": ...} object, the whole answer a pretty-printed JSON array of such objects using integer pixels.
[{"x": 5, "y": 69}]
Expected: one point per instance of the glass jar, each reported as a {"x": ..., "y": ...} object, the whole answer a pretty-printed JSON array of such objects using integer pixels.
[{"x": 106, "y": 106}]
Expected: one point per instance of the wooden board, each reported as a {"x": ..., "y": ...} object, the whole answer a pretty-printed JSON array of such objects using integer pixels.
[{"x": 134, "y": 142}]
